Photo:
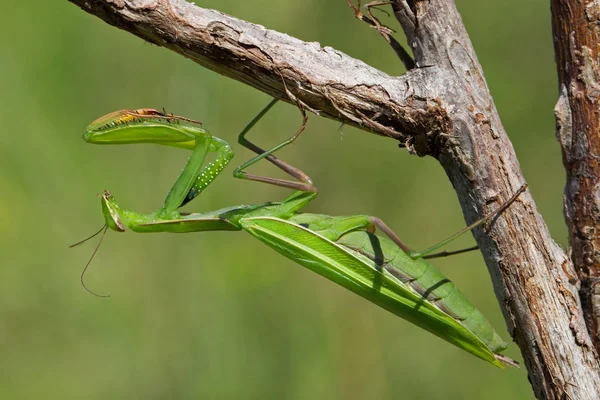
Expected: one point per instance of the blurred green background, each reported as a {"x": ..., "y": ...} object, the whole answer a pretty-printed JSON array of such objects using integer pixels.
[{"x": 219, "y": 315}]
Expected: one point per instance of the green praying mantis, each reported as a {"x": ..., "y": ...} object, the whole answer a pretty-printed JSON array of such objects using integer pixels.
[{"x": 344, "y": 249}]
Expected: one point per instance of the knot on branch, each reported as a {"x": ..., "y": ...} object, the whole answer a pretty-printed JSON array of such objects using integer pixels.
[{"x": 428, "y": 135}]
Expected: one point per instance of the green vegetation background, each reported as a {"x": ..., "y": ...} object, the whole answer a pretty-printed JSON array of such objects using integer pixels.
[{"x": 219, "y": 315}]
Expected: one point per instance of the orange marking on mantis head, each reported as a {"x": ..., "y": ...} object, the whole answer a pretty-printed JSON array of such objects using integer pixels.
[
  {"x": 121, "y": 117},
  {"x": 150, "y": 112},
  {"x": 118, "y": 117}
]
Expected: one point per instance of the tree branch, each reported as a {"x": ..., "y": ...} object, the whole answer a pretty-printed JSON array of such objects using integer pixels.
[
  {"x": 442, "y": 108},
  {"x": 531, "y": 274},
  {"x": 577, "y": 35},
  {"x": 327, "y": 81}
]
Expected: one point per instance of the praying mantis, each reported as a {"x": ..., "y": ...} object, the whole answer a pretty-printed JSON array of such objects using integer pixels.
[{"x": 343, "y": 249}]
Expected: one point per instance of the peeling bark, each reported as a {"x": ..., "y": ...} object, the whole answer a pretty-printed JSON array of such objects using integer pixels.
[
  {"x": 327, "y": 81},
  {"x": 576, "y": 27},
  {"x": 442, "y": 108},
  {"x": 533, "y": 278}
]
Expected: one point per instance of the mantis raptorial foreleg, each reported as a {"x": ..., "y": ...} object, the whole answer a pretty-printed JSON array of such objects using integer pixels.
[
  {"x": 194, "y": 178},
  {"x": 185, "y": 183},
  {"x": 204, "y": 176},
  {"x": 147, "y": 125}
]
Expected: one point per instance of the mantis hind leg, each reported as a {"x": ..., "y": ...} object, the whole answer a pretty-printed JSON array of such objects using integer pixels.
[
  {"x": 376, "y": 223},
  {"x": 303, "y": 183},
  {"x": 429, "y": 252},
  {"x": 383, "y": 227},
  {"x": 450, "y": 253}
]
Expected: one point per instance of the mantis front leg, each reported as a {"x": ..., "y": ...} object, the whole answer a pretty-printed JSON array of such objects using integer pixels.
[
  {"x": 152, "y": 126},
  {"x": 194, "y": 179}
]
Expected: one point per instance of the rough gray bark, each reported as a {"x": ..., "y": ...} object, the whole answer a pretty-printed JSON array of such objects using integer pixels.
[
  {"x": 442, "y": 108},
  {"x": 576, "y": 41}
]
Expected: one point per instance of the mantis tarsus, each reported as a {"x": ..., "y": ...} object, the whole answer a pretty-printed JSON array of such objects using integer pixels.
[{"x": 345, "y": 250}]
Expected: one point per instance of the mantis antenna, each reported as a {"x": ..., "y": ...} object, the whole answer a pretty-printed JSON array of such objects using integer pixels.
[{"x": 103, "y": 231}]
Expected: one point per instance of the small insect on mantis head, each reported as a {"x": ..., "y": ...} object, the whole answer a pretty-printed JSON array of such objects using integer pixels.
[{"x": 145, "y": 125}]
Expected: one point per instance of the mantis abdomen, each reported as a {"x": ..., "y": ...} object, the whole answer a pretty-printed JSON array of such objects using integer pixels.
[
  {"x": 411, "y": 289},
  {"x": 426, "y": 280}
]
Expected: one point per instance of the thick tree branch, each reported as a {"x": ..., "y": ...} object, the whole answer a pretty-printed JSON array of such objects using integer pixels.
[
  {"x": 531, "y": 274},
  {"x": 442, "y": 108},
  {"x": 325, "y": 80},
  {"x": 576, "y": 39}
]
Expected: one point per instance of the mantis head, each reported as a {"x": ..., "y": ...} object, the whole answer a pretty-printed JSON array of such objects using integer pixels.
[
  {"x": 113, "y": 220},
  {"x": 112, "y": 212}
]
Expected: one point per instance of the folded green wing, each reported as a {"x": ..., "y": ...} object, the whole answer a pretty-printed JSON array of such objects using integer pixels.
[{"x": 360, "y": 275}]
